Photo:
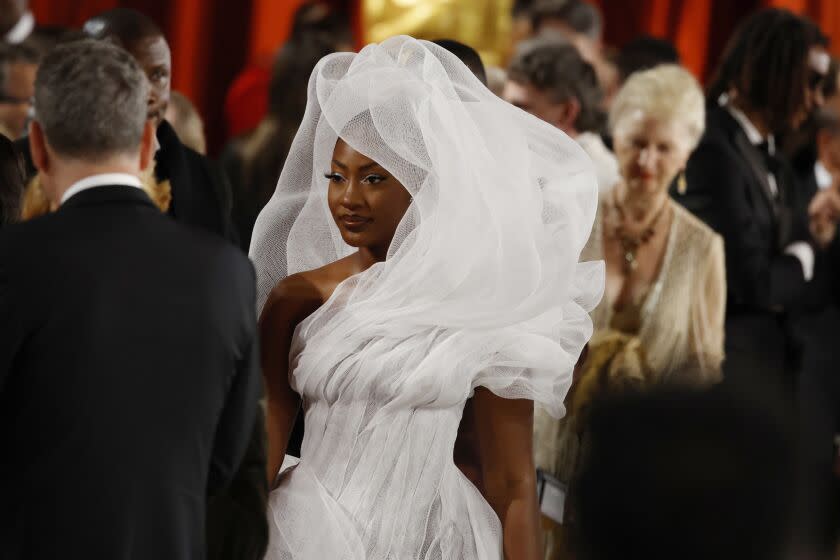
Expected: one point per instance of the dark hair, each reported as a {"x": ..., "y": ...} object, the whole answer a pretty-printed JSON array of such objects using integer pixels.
[
  {"x": 21, "y": 53},
  {"x": 522, "y": 8},
  {"x": 558, "y": 69},
  {"x": 12, "y": 177},
  {"x": 123, "y": 25},
  {"x": 90, "y": 99},
  {"x": 467, "y": 55},
  {"x": 688, "y": 474},
  {"x": 579, "y": 15},
  {"x": 766, "y": 62},
  {"x": 643, "y": 53},
  {"x": 318, "y": 17}
]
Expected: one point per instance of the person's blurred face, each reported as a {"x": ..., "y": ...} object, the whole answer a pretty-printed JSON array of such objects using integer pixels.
[
  {"x": 10, "y": 13},
  {"x": 828, "y": 140},
  {"x": 366, "y": 201},
  {"x": 829, "y": 150},
  {"x": 16, "y": 97},
  {"x": 541, "y": 105},
  {"x": 812, "y": 99},
  {"x": 154, "y": 57},
  {"x": 650, "y": 152}
]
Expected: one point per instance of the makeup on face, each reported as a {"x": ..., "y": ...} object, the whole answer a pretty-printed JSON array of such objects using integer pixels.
[{"x": 366, "y": 201}]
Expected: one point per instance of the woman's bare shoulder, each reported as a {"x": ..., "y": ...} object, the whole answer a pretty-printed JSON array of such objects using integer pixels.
[
  {"x": 299, "y": 295},
  {"x": 293, "y": 299}
]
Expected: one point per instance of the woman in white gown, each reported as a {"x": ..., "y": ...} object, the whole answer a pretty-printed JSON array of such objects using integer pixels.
[{"x": 422, "y": 247}]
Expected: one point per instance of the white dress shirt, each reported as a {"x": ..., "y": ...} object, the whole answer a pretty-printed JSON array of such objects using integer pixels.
[
  {"x": 803, "y": 251},
  {"x": 22, "y": 29},
  {"x": 102, "y": 180},
  {"x": 755, "y": 138},
  {"x": 606, "y": 166}
]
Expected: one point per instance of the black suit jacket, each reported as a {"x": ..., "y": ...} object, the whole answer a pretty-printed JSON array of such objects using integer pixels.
[
  {"x": 201, "y": 193},
  {"x": 128, "y": 379},
  {"x": 728, "y": 188},
  {"x": 822, "y": 291}
]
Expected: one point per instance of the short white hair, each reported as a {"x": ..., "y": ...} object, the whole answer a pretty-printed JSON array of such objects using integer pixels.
[{"x": 669, "y": 93}]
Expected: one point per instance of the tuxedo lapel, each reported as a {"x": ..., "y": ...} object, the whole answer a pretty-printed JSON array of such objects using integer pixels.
[{"x": 758, "y": 166}]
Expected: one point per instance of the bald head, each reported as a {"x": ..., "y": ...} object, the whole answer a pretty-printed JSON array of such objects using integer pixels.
[{"x": 144, "y": 40}]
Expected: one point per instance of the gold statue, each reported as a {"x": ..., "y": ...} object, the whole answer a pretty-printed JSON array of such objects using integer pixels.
[{"x": 485, "y": 25}]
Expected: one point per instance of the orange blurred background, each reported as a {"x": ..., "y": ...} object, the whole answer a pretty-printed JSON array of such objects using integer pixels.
[{"x": 214, "y": 40}]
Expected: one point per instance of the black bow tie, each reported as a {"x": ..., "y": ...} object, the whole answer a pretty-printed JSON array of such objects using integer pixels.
[{"x": 764, "y": 147}]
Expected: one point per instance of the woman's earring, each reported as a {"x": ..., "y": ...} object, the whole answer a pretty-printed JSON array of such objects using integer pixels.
[{"x": 681, "y": 183}]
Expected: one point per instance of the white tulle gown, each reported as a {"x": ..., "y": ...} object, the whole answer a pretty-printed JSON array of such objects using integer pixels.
[
  {"x": 482, "y": 286},
  {"x": 378, "y": 480}
]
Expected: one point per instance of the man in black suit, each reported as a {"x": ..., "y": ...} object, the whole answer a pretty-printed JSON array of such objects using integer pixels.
[
  {"x": 201, "y": 197},
  {"x": 815, "y": 325},
  {"x": 128, "y": 364},
  {"x": 776, "y": 234},
  {"x": 201, "y": 194},
  {"x": 737, "y": 182}
]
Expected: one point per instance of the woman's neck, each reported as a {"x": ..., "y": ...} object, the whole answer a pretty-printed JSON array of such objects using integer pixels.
[
  {"x": 639, "y": 208},
  {"x": 366, "y": 257}
]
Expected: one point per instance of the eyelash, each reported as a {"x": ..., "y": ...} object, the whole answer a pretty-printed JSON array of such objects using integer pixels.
[{"x": 372, "y": 179}]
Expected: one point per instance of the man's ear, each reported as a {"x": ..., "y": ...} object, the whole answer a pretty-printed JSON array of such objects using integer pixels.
[
  {"x": 38, "y": 148},
  {"x": 148, "y": 145},
  {"x": 567, "y": 114}
]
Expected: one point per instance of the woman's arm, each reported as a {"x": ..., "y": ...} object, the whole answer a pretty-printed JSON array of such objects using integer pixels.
[
  {"x": 289, "y": 303},
  {"x": 708, "y": 313},
  {"x": 505, "y": 435}
]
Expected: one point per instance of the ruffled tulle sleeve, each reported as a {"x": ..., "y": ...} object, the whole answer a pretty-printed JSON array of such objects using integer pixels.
[{"x": 538, "y": 364}]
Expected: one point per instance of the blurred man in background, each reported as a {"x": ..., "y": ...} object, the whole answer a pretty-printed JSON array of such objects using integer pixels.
[
  {"x": 200, "y": 191},
  {"x": 551, "y": 80},
  {"x": 18, "y": 65},
  {"x": 579, "y": 22},
  {"x": 767, "y": 83}
]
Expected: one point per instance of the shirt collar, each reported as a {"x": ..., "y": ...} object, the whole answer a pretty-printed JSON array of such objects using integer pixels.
[
  {"x": 101, "y": 180},
  {"x": 22, "y": 29},
  {"x": 753, "y": 135}
]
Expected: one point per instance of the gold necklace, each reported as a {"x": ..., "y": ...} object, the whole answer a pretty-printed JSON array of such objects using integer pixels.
[{"x": 630, "y": 244}]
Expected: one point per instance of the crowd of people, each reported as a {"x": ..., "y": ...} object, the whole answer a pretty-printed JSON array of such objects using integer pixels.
[{"x": 574, "y": 307}]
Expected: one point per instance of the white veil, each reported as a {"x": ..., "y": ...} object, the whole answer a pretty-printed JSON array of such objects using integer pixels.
[{"x": 482, "y": 284}]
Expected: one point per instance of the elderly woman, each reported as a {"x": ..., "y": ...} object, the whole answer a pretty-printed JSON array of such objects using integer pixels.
[{"x": 661, "y": 318}]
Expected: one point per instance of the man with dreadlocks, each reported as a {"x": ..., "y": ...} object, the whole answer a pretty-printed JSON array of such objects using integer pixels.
[{"x": 767, "y": 84}]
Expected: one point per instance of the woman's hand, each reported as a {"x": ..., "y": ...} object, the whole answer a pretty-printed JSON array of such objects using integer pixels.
[{"x": 824, "y": 212}]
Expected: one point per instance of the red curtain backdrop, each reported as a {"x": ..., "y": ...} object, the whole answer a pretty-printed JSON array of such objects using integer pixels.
[{"x": 213, "y": 40}]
